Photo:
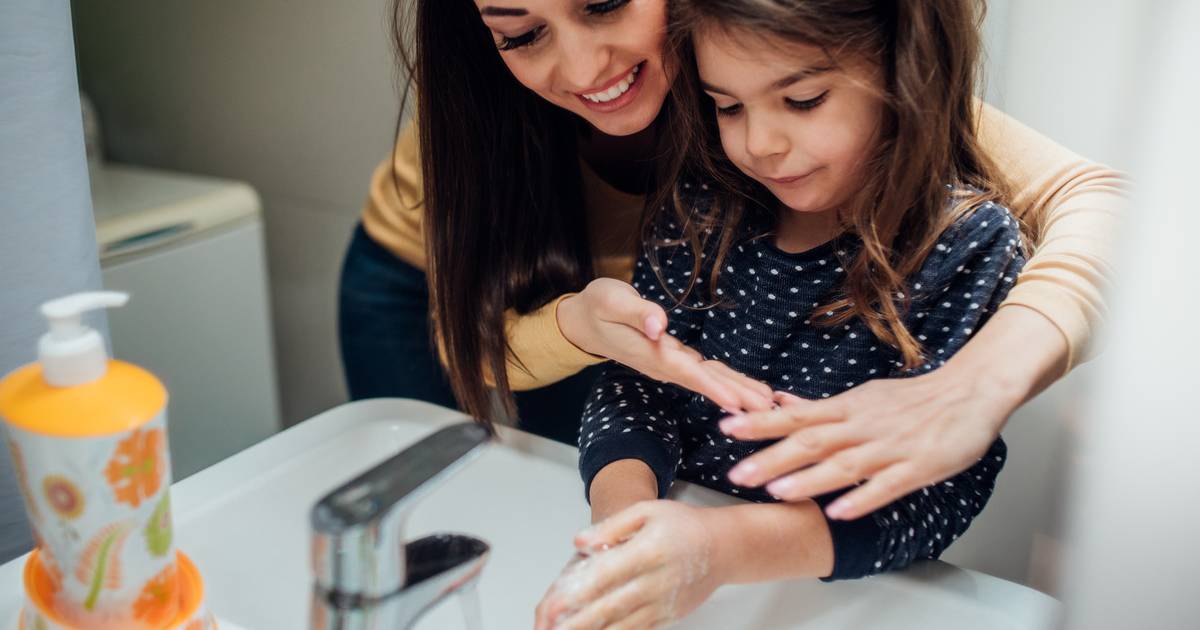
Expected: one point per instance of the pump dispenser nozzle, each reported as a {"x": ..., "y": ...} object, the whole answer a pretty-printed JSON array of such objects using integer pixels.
[{"x": 71, "y": 353}]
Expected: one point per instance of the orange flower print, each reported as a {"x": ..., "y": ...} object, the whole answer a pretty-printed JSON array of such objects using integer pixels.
[
  {"x": 137, "y": 468},
  {"x": 18, "y": 460},
  {"x": 63, "y": 496},
  {"x": 159, "y": 599}
]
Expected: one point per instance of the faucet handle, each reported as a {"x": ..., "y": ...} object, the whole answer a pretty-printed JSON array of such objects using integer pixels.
[{"x": 358, "y": 539}]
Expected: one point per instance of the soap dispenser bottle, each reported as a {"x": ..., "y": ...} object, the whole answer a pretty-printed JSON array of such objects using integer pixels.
[{"x": 88, "y": 439}]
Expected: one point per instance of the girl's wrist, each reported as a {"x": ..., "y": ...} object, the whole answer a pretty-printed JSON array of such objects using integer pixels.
[
  {"x": 760, "y": 542},
  {"x": 724, "y": 544},
  {"x": 620, "y": 485}
]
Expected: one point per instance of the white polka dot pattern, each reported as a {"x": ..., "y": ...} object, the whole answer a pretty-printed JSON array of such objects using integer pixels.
[{"x": 762, "y": 329}]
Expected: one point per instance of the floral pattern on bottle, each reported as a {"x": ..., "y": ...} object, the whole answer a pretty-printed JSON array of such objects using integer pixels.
[
  {"x": 137, "y": 468},
  {"x": 105, "y": 530},
  {"x": 100, "y": 566},
  {"x": 158, "y": 601},
  {"x": 158, "y": 531},
  {"x": 63, "y": 496}
]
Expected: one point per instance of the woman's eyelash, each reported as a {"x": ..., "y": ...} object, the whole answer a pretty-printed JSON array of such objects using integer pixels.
[
  {"x": 808, "y": 104},
  {"x": 608, "y": 6},
  {"x": 525, "y": 39},
  {"x": 732, "y": 110}
]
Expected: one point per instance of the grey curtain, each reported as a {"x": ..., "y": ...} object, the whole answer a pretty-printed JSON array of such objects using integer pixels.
[{"x": 47, "y": 234}]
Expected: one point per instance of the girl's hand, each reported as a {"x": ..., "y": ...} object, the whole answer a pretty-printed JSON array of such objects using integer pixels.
[
  {"x": 900, "y": 434},
  {"x": 608, "y": 318},
  {"x": 641, "y": 568}
]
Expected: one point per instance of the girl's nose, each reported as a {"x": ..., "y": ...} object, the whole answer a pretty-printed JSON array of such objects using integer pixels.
[
  {"x": 583, "y": 60},
  {"x": 764, "y": 140}
]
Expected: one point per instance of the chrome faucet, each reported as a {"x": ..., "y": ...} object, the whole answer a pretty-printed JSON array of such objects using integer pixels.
[{"x": 367, "y": 577}]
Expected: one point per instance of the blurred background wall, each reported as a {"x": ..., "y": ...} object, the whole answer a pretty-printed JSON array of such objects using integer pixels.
[
  {"x": 297, "y": 98},
  {"x": 1069, "y": 69}
]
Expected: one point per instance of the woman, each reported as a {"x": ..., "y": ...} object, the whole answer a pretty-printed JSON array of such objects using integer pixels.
[{"x": 534, "y": 148}]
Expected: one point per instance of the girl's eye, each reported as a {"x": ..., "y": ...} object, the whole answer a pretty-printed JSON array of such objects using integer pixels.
[
  {"x": 808, "y": 104},
  {"x": 608, "y": 6},
  {"x": 525, "y": 39},
  {"x": 732, "y": 110}
]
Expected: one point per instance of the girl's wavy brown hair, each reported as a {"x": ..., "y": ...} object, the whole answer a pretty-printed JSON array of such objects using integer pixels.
[{"x": 927, "y": 52}]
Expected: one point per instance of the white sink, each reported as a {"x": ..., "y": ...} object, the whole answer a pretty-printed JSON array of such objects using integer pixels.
[{"x": 244, "y": 522}]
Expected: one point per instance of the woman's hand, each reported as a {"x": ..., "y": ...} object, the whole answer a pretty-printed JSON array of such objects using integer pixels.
[
  {"x": 901, "y": 434},
  {"x": 608, "y": 318},
  {"x": 641, "y": 568}
]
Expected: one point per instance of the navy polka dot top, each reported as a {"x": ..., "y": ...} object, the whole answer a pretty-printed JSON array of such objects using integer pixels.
[{"x": 763, "y": 328}]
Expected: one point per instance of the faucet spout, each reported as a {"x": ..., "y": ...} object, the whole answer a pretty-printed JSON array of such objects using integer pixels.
[{"x": 365, "y": 571}]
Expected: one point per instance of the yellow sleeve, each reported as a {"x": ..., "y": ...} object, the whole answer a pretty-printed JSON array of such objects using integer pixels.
[
  {"x": 1076, "y": 204},
  {"x": 395, "y": 204},
  {"x": 541, "y": 354}
]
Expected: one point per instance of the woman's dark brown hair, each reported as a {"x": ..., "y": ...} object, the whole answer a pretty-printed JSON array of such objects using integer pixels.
[
  {"x": 928, "y": 51},
  {"x": 504, "y": 216}
]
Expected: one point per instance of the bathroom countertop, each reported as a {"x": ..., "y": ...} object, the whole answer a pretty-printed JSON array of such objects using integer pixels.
[{"x": 244, "y": 521}]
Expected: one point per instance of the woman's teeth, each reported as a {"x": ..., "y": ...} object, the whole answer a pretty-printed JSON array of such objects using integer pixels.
[{"x": 620, "y": 88}]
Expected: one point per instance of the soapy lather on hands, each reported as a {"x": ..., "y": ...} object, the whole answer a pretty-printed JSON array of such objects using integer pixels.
[{"x": 641, "y": 568}]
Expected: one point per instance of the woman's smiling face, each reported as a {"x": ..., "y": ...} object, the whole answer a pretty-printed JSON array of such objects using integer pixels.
[{"x": 600, "y": 59}]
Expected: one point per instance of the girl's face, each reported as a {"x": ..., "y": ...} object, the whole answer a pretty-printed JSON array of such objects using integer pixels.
[
  {"x": 788, "y": 118},
  {"x": 601, "y": 59}
]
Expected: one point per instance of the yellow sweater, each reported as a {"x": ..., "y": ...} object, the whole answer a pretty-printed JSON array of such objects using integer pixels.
[{"x": 1079, "y": 203}]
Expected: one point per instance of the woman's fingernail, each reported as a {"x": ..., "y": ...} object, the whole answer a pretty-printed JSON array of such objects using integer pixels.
[
  {"x": 653, "y": 327},
  {"x": 742, "y": 472},
  {"x": 779, "y": 486},
  {"x": 732, "y": 423},
  {"x": 838, "y": 508}
]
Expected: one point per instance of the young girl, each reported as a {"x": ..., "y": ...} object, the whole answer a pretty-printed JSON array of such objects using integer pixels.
[{"x": 834, "y": 222}]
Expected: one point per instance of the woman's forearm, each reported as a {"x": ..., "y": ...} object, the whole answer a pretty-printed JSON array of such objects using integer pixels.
[
  {"x": 1013, "y": 358},
  {"x": 770, "y": 541},
  {"x": 1075, "y": 207}
]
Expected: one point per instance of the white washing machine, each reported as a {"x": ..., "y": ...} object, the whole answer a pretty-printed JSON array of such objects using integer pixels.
[{"x": 189, "y": 250}]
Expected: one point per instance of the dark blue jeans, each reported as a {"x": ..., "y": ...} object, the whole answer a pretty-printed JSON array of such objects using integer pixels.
[{"x": 383, "y": 329}]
